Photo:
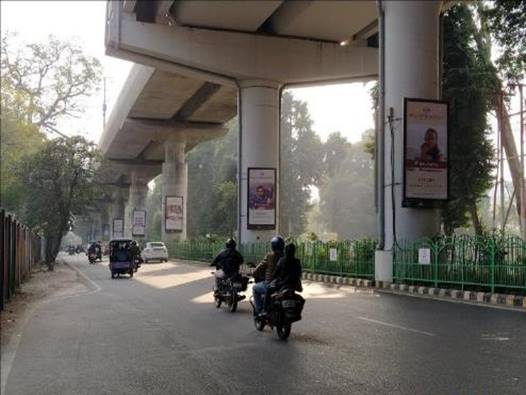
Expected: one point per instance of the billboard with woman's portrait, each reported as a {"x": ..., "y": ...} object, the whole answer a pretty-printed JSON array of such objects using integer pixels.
[
  {"x": 174, "y": 213},
  {"x": 261, "y": 198},
  {"x": 425, "y": 152}
]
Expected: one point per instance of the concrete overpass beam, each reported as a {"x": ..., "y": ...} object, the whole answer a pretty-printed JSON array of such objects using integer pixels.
[
  {"x": 259, "y": 147},
  {"x": 411, "y": 64},
  {"x": 175, "y": 184}
]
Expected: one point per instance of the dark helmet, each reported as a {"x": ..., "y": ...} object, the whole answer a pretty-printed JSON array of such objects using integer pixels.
[
  {"x": 230, "y": 243},
  {"x": 133, "y": 243},
  {"x": 277, "y": 243}
]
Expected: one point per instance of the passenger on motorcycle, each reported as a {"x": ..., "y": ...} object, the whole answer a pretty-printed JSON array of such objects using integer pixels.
[
  {"x": 287, "y": 274},
  {"x": 265, "y": 271},
  {"x": 135, "y": 253},
  {"x": 228, "y": 261}
]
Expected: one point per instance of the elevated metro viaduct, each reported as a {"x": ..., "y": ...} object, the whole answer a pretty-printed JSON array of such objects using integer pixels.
[{"x": 199, "y": 63}]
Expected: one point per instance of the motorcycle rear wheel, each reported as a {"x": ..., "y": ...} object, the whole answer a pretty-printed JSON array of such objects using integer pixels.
[
  {"x": 218, "y": 302},
  {"x": 283, "y": 331},
  {"x": 259, "y": 324}
]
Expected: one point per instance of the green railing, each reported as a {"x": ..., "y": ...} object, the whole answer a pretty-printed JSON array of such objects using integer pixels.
[
  {"x": 489, "y": 263},
  {"x": 345, "y": 258}
]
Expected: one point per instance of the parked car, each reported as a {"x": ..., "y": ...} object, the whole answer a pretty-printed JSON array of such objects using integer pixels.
[{"x": 153, "y": 251}]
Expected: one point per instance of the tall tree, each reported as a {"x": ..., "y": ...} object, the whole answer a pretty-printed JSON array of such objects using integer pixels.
[
  {"x": 299, "y": 145},
  {"x": 43, "y": 82},
  {"x": 61, "y": 180},
  {"x": 468, "y": 84}
]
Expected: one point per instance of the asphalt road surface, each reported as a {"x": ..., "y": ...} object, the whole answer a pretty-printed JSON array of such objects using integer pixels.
[{"x": 159, "y": 333}]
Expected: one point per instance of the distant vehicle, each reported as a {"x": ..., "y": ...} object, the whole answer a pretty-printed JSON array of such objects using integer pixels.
[
  {"x": 155, "y": 250},
  {"x": 121, "y": 261}
]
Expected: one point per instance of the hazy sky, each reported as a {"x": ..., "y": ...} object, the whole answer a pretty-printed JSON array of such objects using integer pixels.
[{"x": 345, "y": 108}]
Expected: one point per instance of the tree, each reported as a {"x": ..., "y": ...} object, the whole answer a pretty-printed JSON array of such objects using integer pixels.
[
  {"x": 299, "y": 145},
  {"x": 346, "y": 205},
  {"x": 43, "y": 82},
  {"x": 507, "y": 23},
  {"x": 468, "y": 85},
  {"x": 61, "y": 180}
]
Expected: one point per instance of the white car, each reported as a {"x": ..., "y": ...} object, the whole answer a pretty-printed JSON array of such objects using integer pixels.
[{"x": 155, "y": 251}]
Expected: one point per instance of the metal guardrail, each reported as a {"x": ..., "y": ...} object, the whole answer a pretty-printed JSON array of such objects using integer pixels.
[
  {"x": 20, "y": 249},
  {"x": 489, "y": 263},
  {"x": 344, "y": 258}
]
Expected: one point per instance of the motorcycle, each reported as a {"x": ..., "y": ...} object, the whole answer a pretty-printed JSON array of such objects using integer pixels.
[
  {"x": 92, "y": 257},
  {"x": 137, "y": 261},
  {"x": 284, "y": 308},
  {"x": 230, "y": 291}
]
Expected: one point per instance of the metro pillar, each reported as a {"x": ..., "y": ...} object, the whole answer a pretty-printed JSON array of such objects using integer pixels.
[
  {"x": 175, "y": 184},
  {"x": 136, "y": 201},
  {"x": 259, "y": 146},
  {"x": 411, "y": 70}
]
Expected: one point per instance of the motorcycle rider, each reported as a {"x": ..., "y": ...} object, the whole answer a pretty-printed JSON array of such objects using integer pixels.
[
  {"x": 92, "y": 249},
  {"x": 265, "y": 271},
  {"x": 228, "y": 260},
  {"x": 135, "y": 252}
]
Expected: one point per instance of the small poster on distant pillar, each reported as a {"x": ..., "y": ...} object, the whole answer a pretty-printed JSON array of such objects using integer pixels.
[
  {"x": 425, "y": 152},
  {"x": 139, "y": 223},
  {"x": 118, "y": 228},
  {"x": 261, "y": 198},
  {"x": 106, "y": 230},
  {"x": 173, "y": 214}
]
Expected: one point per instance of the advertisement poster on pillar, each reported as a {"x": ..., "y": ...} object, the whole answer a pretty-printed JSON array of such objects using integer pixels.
[
  {"x": 118, "y": 228},
  {"x": 261, "y": 198},
  {"x": 425, "y": 152},
  {"x": 139, "y": 223},
  {"x": 174, "y": 214}
]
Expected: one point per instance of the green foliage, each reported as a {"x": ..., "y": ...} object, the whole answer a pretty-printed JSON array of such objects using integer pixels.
[
  {"x": 43, "y": 82},
  {"x": 299, "y": 145},
  {"x": 61, "y": 180},
  {"x": 346, "y": 197},
  {"x": 212, "y": 186},
  {"x": 507, "y": 23},
  {"x": 468, "y": 84}
]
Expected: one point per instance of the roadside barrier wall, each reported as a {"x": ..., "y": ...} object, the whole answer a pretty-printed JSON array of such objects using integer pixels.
[{"x": 20, "y": 249}]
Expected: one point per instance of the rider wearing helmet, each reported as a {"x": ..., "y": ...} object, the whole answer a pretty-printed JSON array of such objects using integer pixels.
[
  {"x": 135, "y": 252},
  {"x": 265, "y": 271},
  {"x": 229, "y": 260}
]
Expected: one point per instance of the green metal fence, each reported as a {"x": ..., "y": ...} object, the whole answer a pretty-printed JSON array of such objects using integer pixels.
[
  {"x": 345, "y": 258},
  {"x": 489, "y": 263}
]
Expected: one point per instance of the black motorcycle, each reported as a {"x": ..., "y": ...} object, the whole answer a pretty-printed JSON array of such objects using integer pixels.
[
  {"x": 284, "y": 308},
  {"x": 230, "y": 290},
  {"x": 92, "y": 257}
]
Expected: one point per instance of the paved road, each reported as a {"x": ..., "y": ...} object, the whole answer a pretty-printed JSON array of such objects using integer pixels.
[{"x": 159, "y": 333}]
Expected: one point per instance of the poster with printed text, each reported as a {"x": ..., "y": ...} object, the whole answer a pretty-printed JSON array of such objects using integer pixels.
[
  {"x": 139, "y": 223},
  {"x": 261, "y": 198},
  {"x": 118, "y": 228},
  {"x": 425, "y": 151},
  {"x": 173, "y": 214}
]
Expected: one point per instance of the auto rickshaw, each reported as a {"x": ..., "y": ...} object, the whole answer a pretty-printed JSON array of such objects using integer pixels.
[{"x": 121, "y": 259}]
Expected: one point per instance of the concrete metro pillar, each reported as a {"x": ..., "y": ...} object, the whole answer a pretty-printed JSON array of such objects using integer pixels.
[
  {"x": 411, "y": 70},
  {"x": 259, "y": 137},
  {"x": 117, "y": 211},
  {"x": 175, "y": 184},
  {"x": 136, "y": 201}
]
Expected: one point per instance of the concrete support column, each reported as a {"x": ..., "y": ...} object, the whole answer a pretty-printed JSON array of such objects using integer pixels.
[
  {"x": 175, "y": 183},
  {"x": 105, "y": 222},
  {"x": 259, "y": 146},
  {"x": 411, "y": 70},
  {"x": 136, "y": 201},
  {"x": 117, "y": 210}
]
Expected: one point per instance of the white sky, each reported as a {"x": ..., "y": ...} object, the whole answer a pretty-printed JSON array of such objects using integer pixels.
[{"x": 345, "y": 108}]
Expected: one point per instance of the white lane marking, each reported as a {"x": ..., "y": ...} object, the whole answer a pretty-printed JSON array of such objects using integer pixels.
[{"x": 404, "y": 328}]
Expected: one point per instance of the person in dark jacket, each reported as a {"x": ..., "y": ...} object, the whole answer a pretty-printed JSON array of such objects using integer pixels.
[
  {"x": 229, "y": 261},
  {"x": 264, "y": 271},
  {"x": 288, "y": 271}
]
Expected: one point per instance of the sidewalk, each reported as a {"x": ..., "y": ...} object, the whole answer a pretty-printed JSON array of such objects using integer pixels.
[{"x": 41, "y": 286}]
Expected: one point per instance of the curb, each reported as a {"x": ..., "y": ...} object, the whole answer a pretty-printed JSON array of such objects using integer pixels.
[
  {"x": 515, "y": 302},
  {"x": 325, "y": 278},
  {"x": 483, "y": 298}
]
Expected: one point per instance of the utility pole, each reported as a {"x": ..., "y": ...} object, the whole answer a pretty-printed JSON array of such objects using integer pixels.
[{"x": 523, "y": 211}]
